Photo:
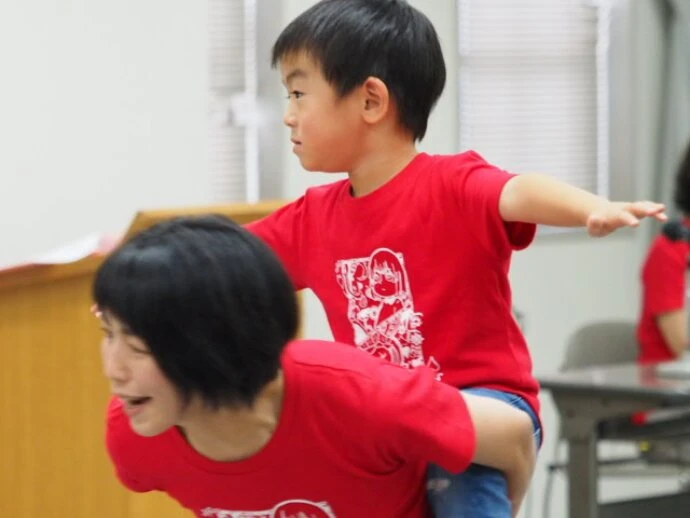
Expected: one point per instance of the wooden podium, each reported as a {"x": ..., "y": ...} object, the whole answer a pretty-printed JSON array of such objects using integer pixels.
[{"x": 53, "y": 395}]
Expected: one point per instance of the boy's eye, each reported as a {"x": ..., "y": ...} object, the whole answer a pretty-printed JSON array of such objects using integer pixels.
[
  {"x": 295, "y": 93},
  {"x": 107, "y": 332}
]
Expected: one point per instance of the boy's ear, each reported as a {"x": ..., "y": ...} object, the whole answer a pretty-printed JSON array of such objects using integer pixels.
[{"x": 377, "y": 101}]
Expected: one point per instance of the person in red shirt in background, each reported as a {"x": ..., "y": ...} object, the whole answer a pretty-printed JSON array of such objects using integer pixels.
[
  {"x": 663, "y": 327},
  {"x": 216, "y": 405},
  {"x": 410, "y": 254}
]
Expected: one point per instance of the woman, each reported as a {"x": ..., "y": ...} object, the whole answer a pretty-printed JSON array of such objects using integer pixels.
[{"x": 663, "y": 328}]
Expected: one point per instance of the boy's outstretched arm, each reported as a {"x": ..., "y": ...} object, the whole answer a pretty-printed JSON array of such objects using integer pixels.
[
  {"x": 535, "y": 198},
  {"x": 505, "y": 441}
]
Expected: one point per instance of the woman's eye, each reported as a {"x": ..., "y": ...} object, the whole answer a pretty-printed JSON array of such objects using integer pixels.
[{"x": 137, "y": 349}]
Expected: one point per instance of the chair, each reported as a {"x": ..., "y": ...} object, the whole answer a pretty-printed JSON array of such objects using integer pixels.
[{"x": 601, "y": 343}]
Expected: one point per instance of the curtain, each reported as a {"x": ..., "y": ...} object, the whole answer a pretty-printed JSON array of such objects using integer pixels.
[{"x": 675, "y": 124}]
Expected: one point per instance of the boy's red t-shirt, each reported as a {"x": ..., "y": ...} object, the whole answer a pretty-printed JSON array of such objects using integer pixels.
[{"x": 417, "y": 271}]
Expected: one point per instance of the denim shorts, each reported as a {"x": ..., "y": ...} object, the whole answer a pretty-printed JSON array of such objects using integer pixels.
[{"x": 478, "y": 492}]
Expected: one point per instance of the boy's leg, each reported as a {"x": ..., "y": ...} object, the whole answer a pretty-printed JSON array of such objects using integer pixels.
[{"x": 479, "y": 492}]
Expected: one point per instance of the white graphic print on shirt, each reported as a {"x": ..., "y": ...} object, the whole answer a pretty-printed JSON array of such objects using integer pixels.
[
  {"x": 287, "y": 509},
  {"x": 381, "y": 309}
]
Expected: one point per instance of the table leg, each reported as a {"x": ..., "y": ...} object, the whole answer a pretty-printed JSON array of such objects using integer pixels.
[{"x": 583, "y": 497}]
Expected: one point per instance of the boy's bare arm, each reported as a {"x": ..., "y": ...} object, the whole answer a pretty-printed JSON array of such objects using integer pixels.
[
  {"x": 505, "y": 441},
  {"x": 535, "y": 198}
]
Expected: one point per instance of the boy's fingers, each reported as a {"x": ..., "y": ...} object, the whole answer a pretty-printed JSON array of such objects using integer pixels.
[
  {"x": 629, "y": 219},
  {"x": 595, "y": 226},
  {"x": 647, "y": 208}
]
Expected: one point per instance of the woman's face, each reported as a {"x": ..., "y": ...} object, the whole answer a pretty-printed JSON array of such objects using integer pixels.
[{"x": 150, "y": 400}]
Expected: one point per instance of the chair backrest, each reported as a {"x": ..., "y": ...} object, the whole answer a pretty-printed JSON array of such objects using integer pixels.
[{"x": 601, "y": 343}]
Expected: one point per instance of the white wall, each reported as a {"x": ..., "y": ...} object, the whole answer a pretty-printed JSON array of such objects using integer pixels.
[
  {"x": 102, "y": 112},
  {"x": 562, "y": 281}
]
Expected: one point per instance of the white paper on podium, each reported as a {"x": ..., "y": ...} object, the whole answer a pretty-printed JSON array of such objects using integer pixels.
[
  {"x": 63, "y": 254},
  {"x": 70, "y": 252}
]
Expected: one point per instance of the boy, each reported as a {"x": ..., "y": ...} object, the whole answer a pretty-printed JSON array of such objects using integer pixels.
[
  {"x": 215, "y": 407},
  {"x": 410, "y": 255}
]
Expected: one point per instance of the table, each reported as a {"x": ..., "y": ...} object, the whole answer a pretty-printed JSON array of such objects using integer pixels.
[{"x": 587, "y": 397}]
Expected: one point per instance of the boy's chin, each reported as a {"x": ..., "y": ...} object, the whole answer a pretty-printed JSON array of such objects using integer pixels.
[{"x": 319, "y": 168}]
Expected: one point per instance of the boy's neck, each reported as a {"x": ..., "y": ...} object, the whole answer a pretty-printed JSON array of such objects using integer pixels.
[
  {"x": 234, "y": 434},
  {"x": 382, "y": 162}
]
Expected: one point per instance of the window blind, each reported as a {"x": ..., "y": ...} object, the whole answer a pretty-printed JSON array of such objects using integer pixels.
[
  {"x": 533, "y": 87},
  {"x": 233, "y": 137}
]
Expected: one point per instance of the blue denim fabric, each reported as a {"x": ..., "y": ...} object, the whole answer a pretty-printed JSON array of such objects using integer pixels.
[{"x": 479, "y": 492}]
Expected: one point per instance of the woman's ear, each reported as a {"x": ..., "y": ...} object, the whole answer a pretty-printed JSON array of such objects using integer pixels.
[{"x": 376, "y": 100}]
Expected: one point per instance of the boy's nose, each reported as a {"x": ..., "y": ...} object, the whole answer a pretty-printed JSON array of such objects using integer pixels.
[{"x": 289, "y": 119}]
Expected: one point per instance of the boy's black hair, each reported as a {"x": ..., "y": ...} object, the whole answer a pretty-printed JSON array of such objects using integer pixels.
[
  {"x": 212, "y": 302},
  {"x": 352, "y": 40},
  {"x": 682, "y": 192}
]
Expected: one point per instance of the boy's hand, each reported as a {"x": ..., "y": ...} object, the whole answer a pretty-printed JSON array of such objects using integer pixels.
[{"x": 614, "y": 215}]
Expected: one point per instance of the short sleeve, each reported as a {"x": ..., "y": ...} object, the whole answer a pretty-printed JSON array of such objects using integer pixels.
[
  {"x": 423, "y": 420},
  {"x": 283, "y": 231},
  {"x": 664, "y": 276},
  {"x": 476, "y": 187},
  {"x": 124, "y": 452}
]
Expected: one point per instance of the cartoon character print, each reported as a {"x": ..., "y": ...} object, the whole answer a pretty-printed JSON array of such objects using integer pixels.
[{"x": 381, "y": 309}]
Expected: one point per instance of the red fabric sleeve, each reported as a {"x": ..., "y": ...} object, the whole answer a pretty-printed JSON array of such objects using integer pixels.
[
  {"x": 423, "y": 419},
  {"x": 477, "y": 186},
  {"x": 283, "y": 231},
  {"x": 663, "y": 277}
]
